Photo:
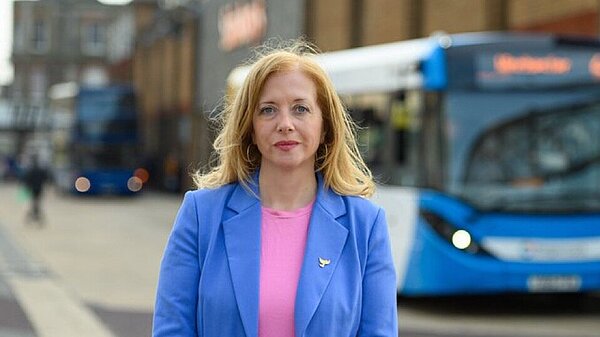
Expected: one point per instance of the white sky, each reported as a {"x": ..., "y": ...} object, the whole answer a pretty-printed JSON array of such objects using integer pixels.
[
  {"x": 6, "y": 26},
  {"x": 6, "y": 72}
]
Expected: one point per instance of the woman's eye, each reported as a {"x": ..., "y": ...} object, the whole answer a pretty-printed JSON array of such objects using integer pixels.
[
  {"x": 267, "y": 110},
  {"x": 302, "y": 109}
]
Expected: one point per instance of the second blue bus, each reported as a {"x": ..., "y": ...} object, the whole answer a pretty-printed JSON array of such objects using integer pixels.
[{"x": 95, "y": 138}]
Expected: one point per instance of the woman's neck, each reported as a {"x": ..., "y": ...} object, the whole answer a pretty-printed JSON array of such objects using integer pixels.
[{"x": 287, "y": 190}]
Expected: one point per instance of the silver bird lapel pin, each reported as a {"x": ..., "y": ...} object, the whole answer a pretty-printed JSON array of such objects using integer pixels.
[{"x": 323, "y": 262}]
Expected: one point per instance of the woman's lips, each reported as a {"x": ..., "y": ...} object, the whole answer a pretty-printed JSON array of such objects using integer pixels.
[{"x": 286, "y": 145}]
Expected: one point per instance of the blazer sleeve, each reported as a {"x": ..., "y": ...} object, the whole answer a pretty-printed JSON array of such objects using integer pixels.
[
  {"x": 379, "y": 308},
  {"x": 177, "y": 292}
]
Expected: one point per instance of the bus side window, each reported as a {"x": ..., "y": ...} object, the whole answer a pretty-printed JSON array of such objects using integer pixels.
[
  {"x": 405, "y": 110},
  {"x": 432, "y": 146},
  {"x": 388, "y": 129},
  {"x": 400, "y": 120},
  {"x": 370, "y": 135}
]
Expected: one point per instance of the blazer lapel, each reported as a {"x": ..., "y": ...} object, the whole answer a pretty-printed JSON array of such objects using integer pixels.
[
  {"x": 326, "y": 240},
  {"x": 242, "y": 242}
]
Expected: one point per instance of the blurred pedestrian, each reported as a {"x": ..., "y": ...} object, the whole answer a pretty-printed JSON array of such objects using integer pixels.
[
  {"x": 280, "y": 239},
  {"x": 34, "y": 179}
]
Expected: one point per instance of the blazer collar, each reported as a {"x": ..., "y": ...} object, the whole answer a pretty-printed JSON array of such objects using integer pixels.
[
  {"x": 326, "y": 239},
  {"x": 331, "y": 202},
  {"x": 244, "y": 197}
]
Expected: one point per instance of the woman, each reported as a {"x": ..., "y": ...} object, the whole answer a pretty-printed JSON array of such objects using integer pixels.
[{"x": 279, "y": 239}]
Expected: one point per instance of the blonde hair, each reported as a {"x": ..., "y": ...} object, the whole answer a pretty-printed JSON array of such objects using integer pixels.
[{"x": 337, "y": 158}]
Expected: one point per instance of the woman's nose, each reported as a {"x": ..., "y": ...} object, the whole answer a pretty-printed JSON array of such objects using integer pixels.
[{"x": 284, "y": 124}]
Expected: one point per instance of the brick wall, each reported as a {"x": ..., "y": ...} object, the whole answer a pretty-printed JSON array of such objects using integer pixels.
[
  {"x": 534, "y": 12},
  {"x": 330, "y": 23},
  {"x": 386, "y": 20}
]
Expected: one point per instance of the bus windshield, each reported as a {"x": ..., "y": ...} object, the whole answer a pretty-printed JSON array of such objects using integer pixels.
[
  {"x": 105, "y": 156},
  {"x": 108, "y": 131},
  {"x": 107, "y": 116},
  {"x": 105, "y": 105},
  {"x": 105, "y": 130},
  {"x": 525, "y": 151}
]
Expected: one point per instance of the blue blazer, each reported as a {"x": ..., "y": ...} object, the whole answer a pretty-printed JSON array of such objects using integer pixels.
[{"x": 209, "y": 276}]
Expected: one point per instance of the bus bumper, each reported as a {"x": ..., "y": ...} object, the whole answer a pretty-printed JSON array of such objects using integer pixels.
[{"x": 438, "y": 268}]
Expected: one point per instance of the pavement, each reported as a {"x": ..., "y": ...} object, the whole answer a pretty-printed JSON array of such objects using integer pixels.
[{"x": 90, "y": 270}]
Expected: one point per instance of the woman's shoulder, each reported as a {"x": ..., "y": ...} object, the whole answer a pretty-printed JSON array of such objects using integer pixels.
[
  {"x": 210, "y": 195},
  {"x": 362, "y": 215},
  {"x": 361, "y": 204},
  {"x": 333, "y": 200}
]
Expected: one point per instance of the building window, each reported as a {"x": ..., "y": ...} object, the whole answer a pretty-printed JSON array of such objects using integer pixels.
[
  {"x": 38, "y": 83},
  {"x": 18, "y": 83},
  {"x": 40, "y": 36},
  {"x": 19, "y": 43},
  {"x": 94, "y": 39}
]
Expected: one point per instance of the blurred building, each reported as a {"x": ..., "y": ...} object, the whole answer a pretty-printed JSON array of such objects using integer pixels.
[
  {"x": 185, "y": 50},
  {"x": 120, "y": 43},
  {"x": 54, "y": 41},
  {"x": 57, "y": 41},
  {"x": 164, "y": 74}
]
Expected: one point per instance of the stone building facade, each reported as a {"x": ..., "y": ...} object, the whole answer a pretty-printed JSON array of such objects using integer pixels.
[{"x": 57, "y": 41}]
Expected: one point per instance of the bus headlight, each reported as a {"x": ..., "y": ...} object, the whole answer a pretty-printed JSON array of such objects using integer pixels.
[
  {"x": 459, "y": 238},
  {"x": 134, "y": 184},
  {"x": 82, "y": 184}
]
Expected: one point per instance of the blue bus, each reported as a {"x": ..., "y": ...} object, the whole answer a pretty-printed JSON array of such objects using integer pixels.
[
  {"x": 487, "y": 150},
  {"x": 95, "y": 138}
]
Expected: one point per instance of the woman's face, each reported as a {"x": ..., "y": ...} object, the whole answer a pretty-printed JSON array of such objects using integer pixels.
[{"x": 287, "y": 123}]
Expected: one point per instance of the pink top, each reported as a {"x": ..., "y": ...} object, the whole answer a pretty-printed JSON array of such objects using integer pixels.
[{"x": 283, "y": 239}]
